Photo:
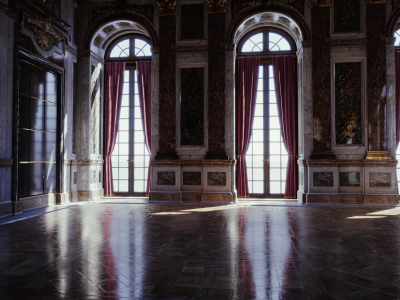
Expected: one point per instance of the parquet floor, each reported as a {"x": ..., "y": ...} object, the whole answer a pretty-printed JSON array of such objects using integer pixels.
[{"x": 142, "y": 251}]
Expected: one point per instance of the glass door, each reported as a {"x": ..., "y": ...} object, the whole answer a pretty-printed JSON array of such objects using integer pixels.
[
  {"x": 266, "y": 157},
  {"x": 130, "y": 158}
]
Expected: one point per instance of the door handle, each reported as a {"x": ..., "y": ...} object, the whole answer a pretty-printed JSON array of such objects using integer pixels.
[{"x": 266, "y": 160}]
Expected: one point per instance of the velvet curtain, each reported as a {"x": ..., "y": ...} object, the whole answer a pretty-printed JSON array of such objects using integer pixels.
[
  {"x": 247, "y": 91},
  {"x": 144, "y": 80},
  {"x": 397, "y": 78},
  {"x": 114, "y": 78},
  {"x": 285, "y": 86}
]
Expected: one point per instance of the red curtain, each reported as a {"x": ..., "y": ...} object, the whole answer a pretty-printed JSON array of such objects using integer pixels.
[
  {"x": 397, "y": 76},
  {"x": 247, "y": 91},
  {"x": 285, "y": 86},
  {"x": 113, "y": 95},
  {"x": 144, "y": 79}
]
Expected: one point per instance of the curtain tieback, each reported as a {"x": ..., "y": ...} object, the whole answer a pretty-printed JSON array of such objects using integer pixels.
[
  {"x": 241, "y": 155},
  {"x": 293, "y": 155}
]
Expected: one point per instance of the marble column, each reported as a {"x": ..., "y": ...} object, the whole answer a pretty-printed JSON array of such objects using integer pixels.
[
  {"x": 376, "y": 77},
  {"x": 167, "y": 88},
  {"x": 82, "y": 125},
  {"x": 216, "y": 85},
  {"x": 391, "y": 96},
  {"x": 321, "y": 79},
  {"x": 155, "y": 103}
]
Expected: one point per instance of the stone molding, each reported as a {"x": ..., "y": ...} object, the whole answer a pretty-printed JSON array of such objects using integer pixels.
[
  {"x": 348, "y": 163},
  {"x": 206, "y": 163}
]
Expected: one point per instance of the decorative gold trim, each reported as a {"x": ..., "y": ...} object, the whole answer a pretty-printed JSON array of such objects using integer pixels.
[
  {"x": 243, "y": 196},
  {"x": 378, "y": 155},
  {"x": 287, "y": 197},
  {"x": 167, "y": 7},
  {"x": 320, "y": 3},
  {"x": 38, "y": 130},
  {"x": 376, "y": 1},
  {"x": 41, "y": 37},
  {"x": 38, "y": 98},
  {"x": 216, "y": 6}
]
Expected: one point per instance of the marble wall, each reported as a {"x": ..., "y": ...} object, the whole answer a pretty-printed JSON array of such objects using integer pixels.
[
  {"x": 6, "y": 105},
  {"x": 321, "y": 79}
]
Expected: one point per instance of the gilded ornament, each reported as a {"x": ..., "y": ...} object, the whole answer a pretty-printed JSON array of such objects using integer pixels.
[
  {"x": 108, "y": 29},
  {"x": 285, "y": 20},
  {"x": 44, "y": 40},
  {"x": 297, "y": 31},
  {"x": 249, "y": 22},
  {"x": 124, "y": 23},
  {"x": 167, "y": 7},
  {"x": 320, "y": 3},
  {"x": 376, "y": 1},
  {"x": 97, "y": 40},
  {"x": 216, "y": 6},
  {"x": 266, "y": 16}
]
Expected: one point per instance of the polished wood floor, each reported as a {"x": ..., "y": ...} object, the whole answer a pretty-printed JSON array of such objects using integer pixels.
[{"x": 142, "y": 251}]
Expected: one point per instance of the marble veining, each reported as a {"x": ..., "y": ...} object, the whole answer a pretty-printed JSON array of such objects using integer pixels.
[
  {"x": 380, "y": 179},
  {"x": 321, "y": 79},
  {"x": 349, "y": 178},
  {"x": 165, "y": 178},
  {"x": 216, "y": 178},
  {"x": 323, "y": 179},
  {"x": 191, "y": 178}
]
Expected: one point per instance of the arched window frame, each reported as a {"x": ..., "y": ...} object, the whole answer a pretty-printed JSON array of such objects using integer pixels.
[
  {"x": 266, "y": 51},
  {"x": 266, "y": 61},
  {"x": 132, "y": 57}
]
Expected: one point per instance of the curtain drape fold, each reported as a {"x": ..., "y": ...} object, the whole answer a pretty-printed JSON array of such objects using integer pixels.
[
  {"x": 247, "y": 91},
  {"x": 114, "y": 81},
  {"x": 285, "y": 86},
  {"x": 144, "y": 81},
  {"x": 397, "y": 78}
]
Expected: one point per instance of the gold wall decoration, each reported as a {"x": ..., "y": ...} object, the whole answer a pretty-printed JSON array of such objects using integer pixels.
[
  {"x": 167, "y": 7},
  {"x": 297, "y": 31},
  {"x": 108, "y": 29},
  {"x": 124, "y": 23},
  {"x": 248, "y": 22},
  {"x": 285, "y": 20},
  {"x": 320, "y": 3},
  {"x": 216, "y": 6},
  {"x": 44, "y": 40},
  {"x": 44, "y": 33},
  {"x": 97, "y": 40},
  {"x": 266, "y": 16},
  {"x": 376, "y": 1}
]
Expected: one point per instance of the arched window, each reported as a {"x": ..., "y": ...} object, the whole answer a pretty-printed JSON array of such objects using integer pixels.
[
  {"x": 265, "y": 41},
  {"x": 266, "y": 157},
  {"x": 123, "y": 48},
  {"x": 397, "y": 36},
  {"x": 130, "y": 158}
]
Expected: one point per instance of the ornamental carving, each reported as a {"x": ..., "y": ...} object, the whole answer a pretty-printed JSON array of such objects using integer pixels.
[
  {"x": 238, "y": 5},
  {"x": 167, "y": 7},
  {"x": 216, "y": 6},
  {"x": 376, "y": 1},
  {"x": 320, "y": 3},
  {"x": 121, "y": 7},
  {"x": 44, "y": 33}
]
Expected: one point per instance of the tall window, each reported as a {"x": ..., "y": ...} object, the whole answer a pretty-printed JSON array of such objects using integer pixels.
[
  {"x": 130, "y": 158},
  {"x": 266, "y": 157},
  {"x": 37, "y": 130},
  {"x": 397, "y": 45}
]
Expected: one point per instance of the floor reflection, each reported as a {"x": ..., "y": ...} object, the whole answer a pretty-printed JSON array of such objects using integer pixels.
[{"x": 136, "y": 251}]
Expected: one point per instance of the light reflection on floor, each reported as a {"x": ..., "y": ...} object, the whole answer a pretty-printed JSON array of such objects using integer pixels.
[{"x": 139, "y": 251}]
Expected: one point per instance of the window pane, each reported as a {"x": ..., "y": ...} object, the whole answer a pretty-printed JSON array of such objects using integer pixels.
[
  {"x": 121, "y": 49},
  {"x": 258, "y": 187},
  {"x": 142, "y": 48},
  {"x": 254, "y": 43},
  {"x": 123, "y": 186},
  {"x": 123, "y": 173}
]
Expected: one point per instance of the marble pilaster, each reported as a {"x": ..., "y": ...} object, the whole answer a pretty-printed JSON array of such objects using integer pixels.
[
  {"x": 6, "y": 103},
  {"x": 391, "y": 96}
]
